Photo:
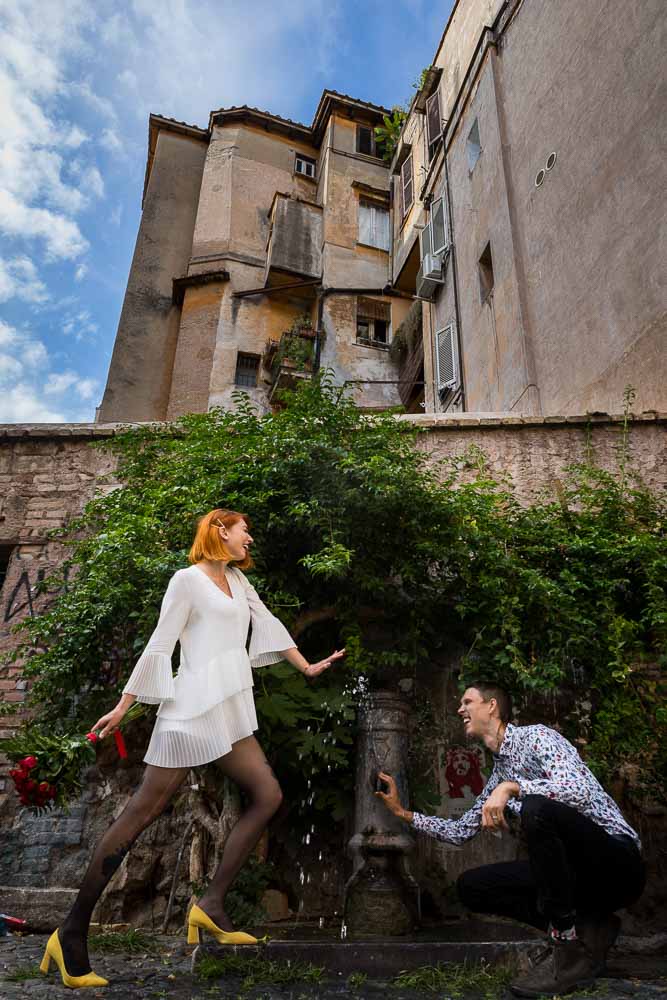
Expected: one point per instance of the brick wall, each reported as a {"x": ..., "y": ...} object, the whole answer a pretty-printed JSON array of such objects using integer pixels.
[{"x": 48, "y": 472}]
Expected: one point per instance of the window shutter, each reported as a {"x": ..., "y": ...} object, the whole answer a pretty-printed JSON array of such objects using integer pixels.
[
  {"x": 445, "y": 358},
  {"x": 365, "y": 223},
  {"x": 438, "y": 226},
  {"x": 384, "y": 236},
  {"x": 425, "y": 245},
  {"x": 406, "y": 185},
  {"x": 433, "y": 123},
  {"x": 373, "y": 309}
]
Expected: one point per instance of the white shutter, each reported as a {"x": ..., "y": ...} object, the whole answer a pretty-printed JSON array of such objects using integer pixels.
[
  {"x": 433, "y": 123},
  {"x": 438, "y": 226},
  {"x": 445, "y": 358},
  {"x": 425, "y": 247},
  {"x": 365, "y": 223},
  {"x": 406, "y": 186},
  {"x": 382, "y": 228}
]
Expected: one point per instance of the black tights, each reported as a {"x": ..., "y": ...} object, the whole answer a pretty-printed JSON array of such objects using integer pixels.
[{"x": 247, "y": 766}]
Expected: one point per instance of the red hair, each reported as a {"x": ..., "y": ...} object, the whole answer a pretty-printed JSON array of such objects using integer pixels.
[{"x": 207, "y": 542}]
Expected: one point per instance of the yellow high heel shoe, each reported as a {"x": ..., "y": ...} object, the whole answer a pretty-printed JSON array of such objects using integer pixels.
[
  {"x": 55, "y": 952},
  {"x": 198, "y": 920}
]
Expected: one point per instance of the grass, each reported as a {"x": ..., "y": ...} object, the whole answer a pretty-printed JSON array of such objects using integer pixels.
[
  {"x": 356, "y": 980},
  {"x": 22, "y": 973},
  {"x": 131, "y": 941},
  {"x": 455, "y": 980},
  {"x": 259, "y": 971}
]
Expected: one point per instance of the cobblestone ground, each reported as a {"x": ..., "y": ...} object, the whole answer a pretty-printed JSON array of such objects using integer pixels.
[{"x": 166, "y": 972}]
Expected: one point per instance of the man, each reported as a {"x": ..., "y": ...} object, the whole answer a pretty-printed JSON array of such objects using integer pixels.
[{"x": 584, "y": 859}]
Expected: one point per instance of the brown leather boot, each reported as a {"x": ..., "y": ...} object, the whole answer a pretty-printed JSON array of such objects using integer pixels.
[
  {"x": 568, "y": 968},
  {"x": 599, "y": 934}
]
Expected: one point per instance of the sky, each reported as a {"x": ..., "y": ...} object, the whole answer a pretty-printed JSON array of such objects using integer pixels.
[{"x": 77, "y": 83}]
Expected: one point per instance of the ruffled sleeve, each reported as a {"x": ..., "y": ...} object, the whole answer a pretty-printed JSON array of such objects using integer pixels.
[
  {"x": 152, "y": 681},
  {"x": 268, "y": 637}
]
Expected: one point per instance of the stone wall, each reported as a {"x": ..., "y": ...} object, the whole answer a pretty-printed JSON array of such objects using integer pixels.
[{"x": 48, "y": 472}]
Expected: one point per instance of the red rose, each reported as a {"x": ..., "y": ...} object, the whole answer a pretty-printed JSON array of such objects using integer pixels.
[
  {"x": 16, "y": 775},
  {"x": 52, "y": 792},
  {"x": 24, "y": 799},
  {"x": 28, "y": 763},
  {"x": 92, "y": 737},
  {"x": 44, "y": 787},
  {"x": 30, "y": 785}
]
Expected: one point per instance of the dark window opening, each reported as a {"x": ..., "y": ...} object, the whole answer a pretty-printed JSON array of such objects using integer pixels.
[
  {"x": 366, "y": 140},
  {"x": 486, "y": 273},
  {"x": 247, "y": 367},
  {"x": 373, "y": 322},
  {"x": 474, "y": 146},
  {"x": 5, "y": 557}
]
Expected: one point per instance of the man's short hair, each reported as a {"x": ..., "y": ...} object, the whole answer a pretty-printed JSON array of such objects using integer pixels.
[{"x": 489, "y": 690}]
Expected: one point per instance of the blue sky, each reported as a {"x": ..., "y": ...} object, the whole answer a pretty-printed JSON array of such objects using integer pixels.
[{"x": 77, "y": 83}]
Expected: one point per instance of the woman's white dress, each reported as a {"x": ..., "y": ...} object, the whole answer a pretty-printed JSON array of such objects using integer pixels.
[{"x": 209, "y": 704}]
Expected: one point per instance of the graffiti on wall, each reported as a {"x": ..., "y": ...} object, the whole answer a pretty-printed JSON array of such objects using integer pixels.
[{"x": 21, "y": 597}]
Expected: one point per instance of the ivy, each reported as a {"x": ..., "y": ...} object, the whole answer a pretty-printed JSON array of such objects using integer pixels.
[{"x": 360, "y": 541}]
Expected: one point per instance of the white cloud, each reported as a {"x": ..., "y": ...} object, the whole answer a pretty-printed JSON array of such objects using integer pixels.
[
  {"x": 80, "y": 325},
  {"x": 27, "y": 382},
  {"x": 38, "y": 198},
  {"x": 81, "y": 272},
  {"x": 21, "y": 404},
  {"x": 110, "y": 140},
  {"x": 61, "y": 382},
  {"x": 19, "y": 279}
]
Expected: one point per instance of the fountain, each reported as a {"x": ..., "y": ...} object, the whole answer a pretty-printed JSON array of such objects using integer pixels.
[{"x": 381, "y": 896}]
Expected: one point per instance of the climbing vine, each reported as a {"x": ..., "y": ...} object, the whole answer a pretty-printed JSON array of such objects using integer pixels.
[{"x": 359, "y": 541}]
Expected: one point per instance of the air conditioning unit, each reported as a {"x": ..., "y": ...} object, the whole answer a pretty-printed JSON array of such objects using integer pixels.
[
  {"x": 425, "y": 286},
  {"x": 431, "y": 263}
]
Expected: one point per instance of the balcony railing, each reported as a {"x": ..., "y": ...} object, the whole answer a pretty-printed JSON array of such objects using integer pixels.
[{"x": 291, "y": 358}]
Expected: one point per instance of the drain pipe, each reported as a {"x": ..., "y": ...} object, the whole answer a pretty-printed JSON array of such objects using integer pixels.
[{"x": 455, "y": 275}]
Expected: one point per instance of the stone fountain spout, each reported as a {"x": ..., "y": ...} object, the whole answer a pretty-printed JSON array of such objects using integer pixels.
[{"x": 381, "y": 896}]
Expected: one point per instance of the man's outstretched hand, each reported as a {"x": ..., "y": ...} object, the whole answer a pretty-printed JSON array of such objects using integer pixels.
[{"x": 391, "y": 799}]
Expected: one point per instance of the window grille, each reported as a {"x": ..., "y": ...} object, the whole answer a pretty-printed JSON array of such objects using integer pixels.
[{"x": 247, "y": 368}]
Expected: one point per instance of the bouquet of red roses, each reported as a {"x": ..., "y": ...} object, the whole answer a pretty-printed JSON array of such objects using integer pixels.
[{"x": 48, "y": 766}]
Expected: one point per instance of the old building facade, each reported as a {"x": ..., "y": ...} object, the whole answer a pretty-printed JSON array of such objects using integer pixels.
[
  {"x": 263, "y": 252},
  {"x": 527, "y": 182}
]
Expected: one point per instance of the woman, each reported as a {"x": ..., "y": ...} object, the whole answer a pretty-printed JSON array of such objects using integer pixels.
[{"x": 206, "y": 713}]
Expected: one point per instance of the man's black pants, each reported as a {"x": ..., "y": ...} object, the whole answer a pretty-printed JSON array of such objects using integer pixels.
[{"x": 574, "y": 868}]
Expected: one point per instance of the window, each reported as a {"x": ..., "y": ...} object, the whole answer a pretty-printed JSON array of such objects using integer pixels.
[
  {"x": 247, "y": 367},
  {"x": 439, "y": 226},
  {"x": 304, "y": 165},
  {"x": 366, "y": 140},
  {"x": 374, "y": 224},
  {"x": 373, "y": 322},
  {"x": 473, "y": 146},
  {"x": 407, "y": 192},
  {"x": 485, "y": 273},
  {"x": 445, "y": 359},
  {"x": 5, "y": 556},
  {"x": 433, "y": 124}
]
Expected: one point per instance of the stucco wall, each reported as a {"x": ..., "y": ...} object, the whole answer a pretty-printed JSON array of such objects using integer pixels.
[
  {"x": 140, "y": 371},
  {"x": 591, "y": 88}
]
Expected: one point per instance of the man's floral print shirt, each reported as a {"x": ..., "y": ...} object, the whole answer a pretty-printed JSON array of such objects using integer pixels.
[{"x": 541, "y": 762}]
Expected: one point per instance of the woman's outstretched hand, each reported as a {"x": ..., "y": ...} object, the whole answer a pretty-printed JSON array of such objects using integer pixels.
[
  {"x": 314, "y": 669},
  {"x": 110, "y": 722}
]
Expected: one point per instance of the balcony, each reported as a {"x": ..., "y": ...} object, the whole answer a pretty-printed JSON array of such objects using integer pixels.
[
  {"x": 407, "y": 349},
  {"x": 294, "y": 249},
  {"x": 291, "y": 358}
]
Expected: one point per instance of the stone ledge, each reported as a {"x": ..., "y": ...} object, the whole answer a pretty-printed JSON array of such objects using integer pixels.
[
  {"x": 43, "y": 909},
  {"x": 434, "y": 421}
]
